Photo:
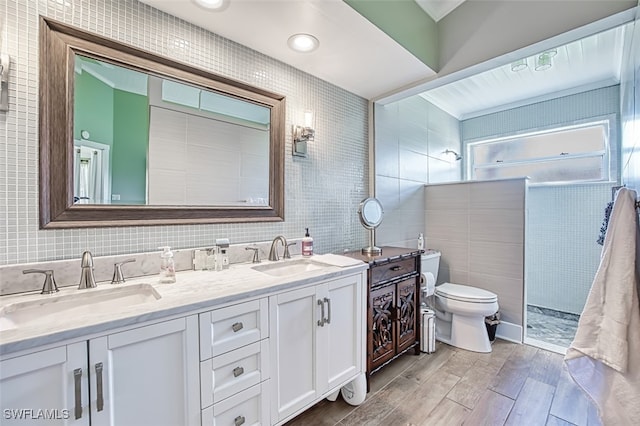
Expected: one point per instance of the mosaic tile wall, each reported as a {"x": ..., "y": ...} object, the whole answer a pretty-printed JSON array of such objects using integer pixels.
[
  {"x": 630, "y": 105},
  {"x": 322, "y": 191},
  {"x": 559, "y": 275},
  {"x": 561, "y": 255}
]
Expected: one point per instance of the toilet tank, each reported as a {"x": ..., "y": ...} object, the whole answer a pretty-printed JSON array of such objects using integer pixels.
[{"x": 430, "y": 262}]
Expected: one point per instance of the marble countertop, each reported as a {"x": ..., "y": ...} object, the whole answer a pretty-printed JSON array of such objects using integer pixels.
[{"x": 193, "y": 291}]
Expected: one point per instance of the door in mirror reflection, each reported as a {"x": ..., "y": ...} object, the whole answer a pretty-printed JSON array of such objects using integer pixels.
[{"x": 91, "y": 170}]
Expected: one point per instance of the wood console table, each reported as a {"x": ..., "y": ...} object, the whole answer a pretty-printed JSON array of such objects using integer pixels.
[{"x": 393, "y": 307}]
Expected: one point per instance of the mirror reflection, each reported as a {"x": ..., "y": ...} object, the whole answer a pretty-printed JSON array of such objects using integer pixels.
[{"x": 140, "y": 139}]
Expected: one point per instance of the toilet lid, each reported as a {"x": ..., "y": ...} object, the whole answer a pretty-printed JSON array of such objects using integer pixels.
[{"x": 465, "y": 293}]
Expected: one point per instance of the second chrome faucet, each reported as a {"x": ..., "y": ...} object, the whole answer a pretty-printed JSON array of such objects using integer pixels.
[
  {"x": 87, "y": 279},
  {"x": 273, "y": 253}
]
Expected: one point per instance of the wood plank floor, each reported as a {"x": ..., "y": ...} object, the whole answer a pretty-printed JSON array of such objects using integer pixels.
[{"x": 513, "y": 385}]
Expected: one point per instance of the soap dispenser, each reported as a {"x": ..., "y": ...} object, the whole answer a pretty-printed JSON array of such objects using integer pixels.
[
  {"x": 307, "y": 244},
  {"x": 167, "y": 266}
]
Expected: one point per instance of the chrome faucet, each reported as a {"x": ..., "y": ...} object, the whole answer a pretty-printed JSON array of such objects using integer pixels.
[
  {"x": 49, "y": 286},
  {"x": 256, "y": 254},
  {"x": 273, "y": 253},
  {"x": 118, "y": 276},
  {"x": 87, "y": 279}
]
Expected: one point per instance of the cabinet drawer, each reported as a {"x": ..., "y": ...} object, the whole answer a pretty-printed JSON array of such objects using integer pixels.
[
  {"x": 249, "y": 407},
  {"x": 232, "y": 372},
  {"x": 226, "y": 329},
  {"x": 393, "y": 270}
]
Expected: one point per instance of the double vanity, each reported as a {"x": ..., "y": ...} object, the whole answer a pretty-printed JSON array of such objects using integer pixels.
[{"x": 255, "y": 343}]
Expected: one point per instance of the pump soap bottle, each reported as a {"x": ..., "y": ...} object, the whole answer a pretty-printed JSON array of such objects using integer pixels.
[
  {"x": 307, "y": 244},
  {"x": 167, "y": 266}
]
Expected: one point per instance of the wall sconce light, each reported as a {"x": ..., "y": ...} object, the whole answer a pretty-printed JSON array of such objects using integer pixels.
[
  {"x": 457, "y": 156},
  {"x": 303, "y": 134},
  {"x": 4, "y": 81}
]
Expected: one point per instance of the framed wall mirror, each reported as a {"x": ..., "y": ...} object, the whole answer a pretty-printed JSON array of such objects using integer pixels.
[{"x": 131, "y": 138}]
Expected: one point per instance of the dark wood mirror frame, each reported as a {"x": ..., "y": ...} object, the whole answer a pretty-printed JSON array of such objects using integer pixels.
[{"x": 59, "y": 44}]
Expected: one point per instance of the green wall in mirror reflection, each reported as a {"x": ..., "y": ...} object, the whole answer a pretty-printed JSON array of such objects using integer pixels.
[{"x": 119, "y": 119}]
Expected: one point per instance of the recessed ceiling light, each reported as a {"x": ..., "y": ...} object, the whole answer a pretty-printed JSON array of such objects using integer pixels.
[
  {"x": 519, "y": 65},
  {"x": 212, "y": 4},
  {"x": 303, "y": 42}
]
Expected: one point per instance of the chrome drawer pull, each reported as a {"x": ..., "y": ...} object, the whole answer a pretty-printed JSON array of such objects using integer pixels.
[
  {"x": 100, "y": 399},
  {"x": 322, "y": 320},
  {"x": 239, "y": 420},
  {"x": 396, "y": 268},
  {"x": 237, "y": 327},
  {"x": 328, "y": 319},
  {"x": 77, "y": 377},
  {"x": 238, "y": 371}
]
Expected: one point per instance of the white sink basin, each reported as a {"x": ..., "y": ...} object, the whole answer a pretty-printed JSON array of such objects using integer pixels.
[
  {"x": 75, "y": 305},
  {"x": 287, "y": 268}
]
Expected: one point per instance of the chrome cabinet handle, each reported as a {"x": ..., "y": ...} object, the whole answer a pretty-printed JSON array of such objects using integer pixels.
[
  {"x": 321, "y": 321},
  {"x": 237, "y": 327},
  {"x": 328, "y": 302},
  {"x": 77, "y": 378},
  {"x": 100, "y": 399},
  {"x": 239, "y": 420},
  {"x": 396, "y": 268},
  {"x": 238, "y": 371}
]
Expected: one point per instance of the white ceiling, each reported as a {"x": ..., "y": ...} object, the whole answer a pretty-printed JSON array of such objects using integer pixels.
[
  {"x": 350, "y": 46},
  {"x": 592, "y": 62},
  {"x": 438, "y": 9},
  {"x": 357, "y": 56}
]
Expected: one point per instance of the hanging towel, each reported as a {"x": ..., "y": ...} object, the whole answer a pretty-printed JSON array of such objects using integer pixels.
[{"x": 604, "y": 357}]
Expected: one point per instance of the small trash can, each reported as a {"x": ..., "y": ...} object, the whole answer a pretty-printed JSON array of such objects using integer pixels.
[
  {"x": 492, "y": 322},
  {"x": 427, "y": 330}
]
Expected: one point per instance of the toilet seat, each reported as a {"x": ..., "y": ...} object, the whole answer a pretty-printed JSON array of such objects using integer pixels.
[{"x": 465, "y": 293}]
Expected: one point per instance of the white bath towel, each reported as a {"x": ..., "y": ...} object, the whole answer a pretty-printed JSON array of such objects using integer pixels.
[{"x": 604, "y": 357}]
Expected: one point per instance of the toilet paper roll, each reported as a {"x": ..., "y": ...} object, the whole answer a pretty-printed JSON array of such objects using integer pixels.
[{"x": 427, "y": 283}]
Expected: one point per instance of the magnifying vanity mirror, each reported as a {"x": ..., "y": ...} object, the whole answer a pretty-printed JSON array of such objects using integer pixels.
[
  {"x": 128, "y": 137},
  {"x": 370, "y": 212}
]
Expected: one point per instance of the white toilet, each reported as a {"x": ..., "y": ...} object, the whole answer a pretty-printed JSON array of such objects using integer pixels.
[{"x": 460, "y": 310}]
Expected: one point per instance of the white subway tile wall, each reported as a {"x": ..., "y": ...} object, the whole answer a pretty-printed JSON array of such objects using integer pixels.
[
  {"x": 411, "y": 137},
  {"x": 322, "y": 191}
]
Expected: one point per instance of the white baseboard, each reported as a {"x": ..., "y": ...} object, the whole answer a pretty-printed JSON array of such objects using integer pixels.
[
  {"x": 545, "y": 345},
  {"x": 510, "y": 332}
]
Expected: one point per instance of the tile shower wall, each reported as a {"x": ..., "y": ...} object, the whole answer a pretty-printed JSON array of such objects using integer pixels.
[
  {"x": 411, "y": 137},
  {"x": 479, "y": 229},
  {"x": 573, "y": 211},
  {"x": 560, "y": 279},
  {"x": 322, "y": 191}
]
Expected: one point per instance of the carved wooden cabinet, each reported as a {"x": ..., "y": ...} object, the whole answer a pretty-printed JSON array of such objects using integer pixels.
[{"x": 392, "y": 305}]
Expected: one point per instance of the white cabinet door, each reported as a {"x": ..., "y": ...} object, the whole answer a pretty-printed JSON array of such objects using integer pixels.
[
  {"x": 317, "y": 342},
  {"x": 343, "y": 349},
  {"x": 47, "y": 387},
  {"x": 293, "y": 322},
  {"x": 146, "y": 376}
]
